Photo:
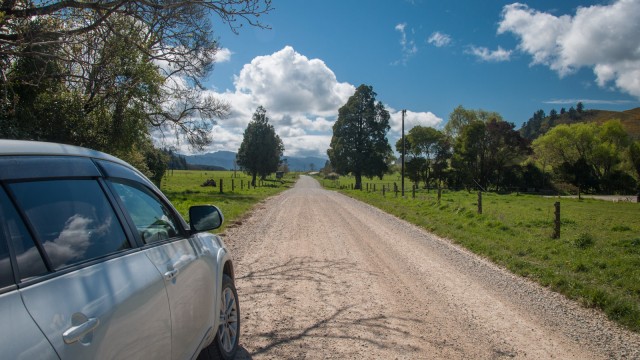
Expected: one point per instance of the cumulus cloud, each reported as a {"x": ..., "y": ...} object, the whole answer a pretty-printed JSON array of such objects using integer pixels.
[
  {"x": 487, "y": 55},
  {"x": 602, "y": 37},
  {"x": 287, "y": 82},
  {"x": 223, "y": 55},
  {"x": 302, "y": 97},
  {"x": 409, "y": 47},
  {"x": 411, "y": 119},
  {"x": 439, "y": 39}
]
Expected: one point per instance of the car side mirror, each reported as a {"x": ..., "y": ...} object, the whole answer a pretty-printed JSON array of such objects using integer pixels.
[{"x": 204, "y": 218}]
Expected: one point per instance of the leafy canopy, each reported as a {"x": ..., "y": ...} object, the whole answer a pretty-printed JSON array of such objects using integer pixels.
[
  {"x": 261, "y": 147},
  {"x": 359, "y": 144}
]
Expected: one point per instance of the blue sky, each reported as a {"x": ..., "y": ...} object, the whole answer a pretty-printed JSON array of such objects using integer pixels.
[{"x": 425, "y": 56}]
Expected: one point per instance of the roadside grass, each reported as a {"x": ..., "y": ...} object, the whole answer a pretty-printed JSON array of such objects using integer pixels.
[
  {"x": 183, "y": 188},
  {"x": 596, "y": 260}
]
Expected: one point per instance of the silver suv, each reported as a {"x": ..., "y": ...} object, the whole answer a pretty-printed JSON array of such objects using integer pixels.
[{"x": 95, "y": 263}]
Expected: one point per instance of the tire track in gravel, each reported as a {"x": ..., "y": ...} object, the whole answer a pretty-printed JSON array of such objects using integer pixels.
[{"x": 323, "y": 276}]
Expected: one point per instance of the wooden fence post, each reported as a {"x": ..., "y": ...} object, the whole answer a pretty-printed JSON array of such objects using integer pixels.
[
  {"x": 233, "y": 185},
  {"x": 556, "y": 222},
  {"x": 220, "y": 186},
  {"x": 382, "y": 189},
  {"x": 439, "y": 195},
  {"x": 480, "y": 202}
]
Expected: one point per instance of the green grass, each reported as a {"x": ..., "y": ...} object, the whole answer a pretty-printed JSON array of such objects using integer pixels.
[
  {"x": 183, "y": 188},
  {"x": 596, "y": 260}
]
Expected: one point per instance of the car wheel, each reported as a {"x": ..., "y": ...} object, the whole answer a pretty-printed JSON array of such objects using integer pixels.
[{"x": 225, "y": 345}]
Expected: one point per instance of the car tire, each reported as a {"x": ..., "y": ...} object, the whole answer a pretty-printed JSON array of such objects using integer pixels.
[{"x": 225, "y": 345}]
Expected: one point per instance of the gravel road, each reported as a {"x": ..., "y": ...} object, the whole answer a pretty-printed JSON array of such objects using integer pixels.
[{"x": 323, "y": 276}]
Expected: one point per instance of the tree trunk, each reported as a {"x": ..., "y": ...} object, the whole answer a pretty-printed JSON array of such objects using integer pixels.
[
  {"x": 358, "y": 181},
  {"x": 253, "y": 179}
]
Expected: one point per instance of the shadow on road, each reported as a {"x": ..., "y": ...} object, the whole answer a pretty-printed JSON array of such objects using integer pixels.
[
  {"x": 329, "y": 317},
  {"x": 243, "y": 354}
]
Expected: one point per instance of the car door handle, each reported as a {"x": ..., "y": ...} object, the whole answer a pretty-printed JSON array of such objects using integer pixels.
[
  {"x": 169, "y": 275},
  {"x": 75, "y": 333}
]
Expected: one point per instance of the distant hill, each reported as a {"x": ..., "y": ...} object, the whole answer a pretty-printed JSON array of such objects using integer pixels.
[
  {"x": 221, "y": 159},
  {"x": 305, "y": 163},
  {"x": 536, "y": 127},
  {"x": 225, "y": 160}
]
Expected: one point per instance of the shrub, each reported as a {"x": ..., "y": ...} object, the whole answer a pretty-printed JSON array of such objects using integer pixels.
[{"x": 583, "y": 241}]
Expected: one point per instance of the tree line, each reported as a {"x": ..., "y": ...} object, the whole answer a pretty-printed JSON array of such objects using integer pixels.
[{"x": 478, "y": 149}]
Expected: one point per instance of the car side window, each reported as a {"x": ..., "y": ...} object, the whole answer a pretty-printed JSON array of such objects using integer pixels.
[
  {"x": 73, "y": 219},
  {"x": 30, "y": 263},
  {"x": 153, "y": 220}
]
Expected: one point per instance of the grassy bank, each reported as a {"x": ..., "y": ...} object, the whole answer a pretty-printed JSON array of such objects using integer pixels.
[
  {"x": 596, "y": 260},
  {"x": 183, "y": 188}
]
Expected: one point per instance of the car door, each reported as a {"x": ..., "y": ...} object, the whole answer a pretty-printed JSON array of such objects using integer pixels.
[
  {"x": 92, "y": 293},
  {"x": 20, "y": 338},
  {"x": 189, "y": 276}
]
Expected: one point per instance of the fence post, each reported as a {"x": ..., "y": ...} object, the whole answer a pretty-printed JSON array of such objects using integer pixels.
[
  {"x": 220, "y": 186},
  {"x": 439, "y": 195},
  {"x": 383, "y": 190},
  {"x": 374, "y": 187},
  {"x": 480, "y": 202},
  {"x": 556, "y": 223},
  {"x": 413, "y": 190},
  {"x": 233, "y": 185}
]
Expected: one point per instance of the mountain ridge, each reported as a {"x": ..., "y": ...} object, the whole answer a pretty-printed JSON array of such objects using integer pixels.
[
  {"x": 226, "y": 159},
  {"x": 538, "y": 126}
]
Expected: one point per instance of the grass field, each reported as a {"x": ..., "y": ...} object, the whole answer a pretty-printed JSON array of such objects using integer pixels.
[
  {"x": 183, "y": 188},
  {"x": 596, "y": 260}
]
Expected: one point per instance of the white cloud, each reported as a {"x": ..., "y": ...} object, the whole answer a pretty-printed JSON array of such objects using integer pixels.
[
  {"x": 439, "y": 39},
  {"x": 487, "y": 55},
  {"x": 223, "y": 55},
  {"x": 287, "y": 82},
  {"x": 302, "y": 97},
  {"x": 411, "y": 119},
  {"x": 603, "y": 37},
  {"x": 409, "y": 47}
]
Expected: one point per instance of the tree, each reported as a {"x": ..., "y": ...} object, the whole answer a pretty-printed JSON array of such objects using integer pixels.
[
  {"x": 261, "y": 147},
  {"x": 423, "y": 142},
  {"x": 178, "y": 32},
  {"x": 485, "y": 151},
  {"x": 359, "y": 144},
  {"x": 634, "y": 156},
  {"x": 415, "y": 169},
  {"x": 579, "y": 107},
  {"x": 459, "y": 118},
  {"x": 586, "y": 154},
  {"x": 469, "y": 155},
  {"x": 108, "y": 74},
  {"x": 506, "y": 150}
]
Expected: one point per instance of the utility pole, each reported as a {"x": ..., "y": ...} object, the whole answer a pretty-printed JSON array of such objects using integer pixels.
[{"x": 403, "y": 151}]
